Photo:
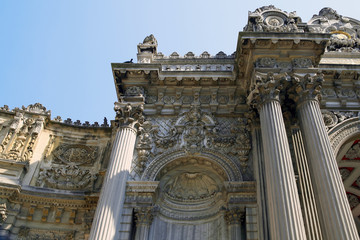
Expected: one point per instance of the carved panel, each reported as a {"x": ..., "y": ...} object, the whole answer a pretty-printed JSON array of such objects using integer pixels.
[{"x": 68, "y": 166}]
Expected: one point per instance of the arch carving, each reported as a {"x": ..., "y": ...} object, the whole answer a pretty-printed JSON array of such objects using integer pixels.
[
  {"x": 342, "y": 132},
  {"x": 231, "y": 170}
]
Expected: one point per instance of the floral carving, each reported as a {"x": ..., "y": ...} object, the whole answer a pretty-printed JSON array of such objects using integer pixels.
[
  {"x": 192, "y": 127},
  {"x": 66, "y": 178}
]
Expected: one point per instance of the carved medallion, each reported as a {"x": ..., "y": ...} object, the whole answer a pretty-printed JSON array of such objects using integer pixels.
[{"x": 75, "y": 154}]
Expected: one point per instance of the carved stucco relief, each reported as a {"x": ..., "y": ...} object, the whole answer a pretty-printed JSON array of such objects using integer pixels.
[
  {"x": 69, "y": 167},
  {"x": 21, "y": 137},
  {"x": 192, "y": 133}
]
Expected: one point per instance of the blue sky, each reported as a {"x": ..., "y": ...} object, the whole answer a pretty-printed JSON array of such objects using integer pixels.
[{"x": 59, "y": 53}]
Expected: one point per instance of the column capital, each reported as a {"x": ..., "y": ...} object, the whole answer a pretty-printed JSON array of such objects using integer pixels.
[
  {"x": 129, "y": 114},
  {"x": 144, "y": 215},
  {"x": 234, "y": 216},
  {"x": 306, "y": 88},
  {"x": 266, "y": 88}
]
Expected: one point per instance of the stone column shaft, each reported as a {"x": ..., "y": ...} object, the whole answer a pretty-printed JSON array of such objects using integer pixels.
[
  {"x": 309, "y": 208},
  {"x": 108, "y": 213},
  {"x": 334, "y": 210},
  {"x": 284, "y": 212},
  {"x": 110, "y": 206}
]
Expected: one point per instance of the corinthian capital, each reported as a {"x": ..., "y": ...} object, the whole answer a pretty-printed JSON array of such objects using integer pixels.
[
  {"x": 266, "y": 88},
  {"x": 234, "y": 216},
  {"x": 129, "y": 114},
  {"x": 144, "y": 215},
  {"x": 306, "y": 87}
]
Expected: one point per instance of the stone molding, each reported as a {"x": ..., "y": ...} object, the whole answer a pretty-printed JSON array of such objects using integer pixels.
[{"x": 343, "y": 131}]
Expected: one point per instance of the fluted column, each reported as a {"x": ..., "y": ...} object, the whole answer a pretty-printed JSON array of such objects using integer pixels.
[
  {"x": 334, "y": 210},
  {"x": 284, "y": 212},
  {"x": 233, "y": 218},
  {"x": 143, "y": 218},
  {"x": 309, "y": 208},
  {"x": 108, "y": 212}
]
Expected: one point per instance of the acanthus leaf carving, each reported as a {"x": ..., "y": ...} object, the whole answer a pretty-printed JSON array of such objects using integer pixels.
[
  {"x": 129, "y": 115},
  {"x": 306, "y": 88},
  {"x": 234, "y": 216}
]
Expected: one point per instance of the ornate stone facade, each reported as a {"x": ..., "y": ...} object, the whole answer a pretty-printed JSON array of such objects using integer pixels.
[{"x": 263, "y": 143}]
